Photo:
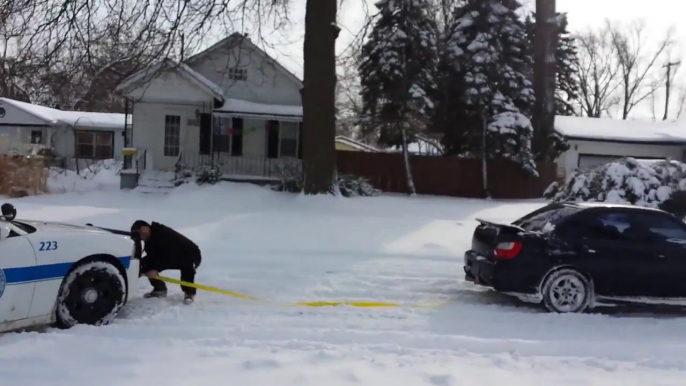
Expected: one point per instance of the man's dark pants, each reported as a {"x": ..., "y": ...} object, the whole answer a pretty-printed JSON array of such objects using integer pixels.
[{"x": 187, "y": 275}]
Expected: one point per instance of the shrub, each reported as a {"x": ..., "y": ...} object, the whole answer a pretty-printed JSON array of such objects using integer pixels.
[
  {"x": 351, "y": 186},
  {"x": 208, "y": 174},
  {"x": 625, "y": 181},
  {"x": 21, "y": 176}
]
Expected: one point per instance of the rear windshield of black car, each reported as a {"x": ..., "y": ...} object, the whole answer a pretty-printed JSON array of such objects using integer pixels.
[{"x": 537, "y": 222}]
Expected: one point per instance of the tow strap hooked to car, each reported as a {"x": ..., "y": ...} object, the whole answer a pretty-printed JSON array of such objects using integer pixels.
[{"x": 360, "y": 304}]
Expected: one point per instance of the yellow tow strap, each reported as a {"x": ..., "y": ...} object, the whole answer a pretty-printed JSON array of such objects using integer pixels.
[{"x": 302, "y": 304}]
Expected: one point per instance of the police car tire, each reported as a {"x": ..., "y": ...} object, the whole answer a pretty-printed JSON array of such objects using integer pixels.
[{"x": 92, "y": 293}]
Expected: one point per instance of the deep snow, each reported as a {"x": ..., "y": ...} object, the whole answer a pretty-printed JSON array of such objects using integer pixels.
[{"x": 293, "y": 248}]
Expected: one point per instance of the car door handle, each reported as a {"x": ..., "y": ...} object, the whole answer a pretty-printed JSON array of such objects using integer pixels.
[{"x": 660, "y": 256}]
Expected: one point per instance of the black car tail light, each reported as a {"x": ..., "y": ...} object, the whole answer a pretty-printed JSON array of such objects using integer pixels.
[{"x": 508, "y": 250}]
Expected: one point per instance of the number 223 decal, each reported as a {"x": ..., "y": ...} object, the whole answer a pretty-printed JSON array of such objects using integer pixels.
[{"x": 47, "y": 246}]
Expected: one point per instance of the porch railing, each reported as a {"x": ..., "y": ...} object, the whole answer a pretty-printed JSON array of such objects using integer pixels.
[{"x": 247, "y": 166}]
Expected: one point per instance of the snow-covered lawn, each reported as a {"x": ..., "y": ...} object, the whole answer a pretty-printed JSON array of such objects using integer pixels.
[{"x": 292, "y": 248}]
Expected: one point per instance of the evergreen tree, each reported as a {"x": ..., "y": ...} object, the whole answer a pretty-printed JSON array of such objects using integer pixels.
[
  {"x": 488, "y": 51},
  {"x": 567, "y": 59},
  {"x": 397, "y": 74}
]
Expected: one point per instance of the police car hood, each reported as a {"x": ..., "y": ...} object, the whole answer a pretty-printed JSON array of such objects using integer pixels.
[{"x": 51, "y": 226}]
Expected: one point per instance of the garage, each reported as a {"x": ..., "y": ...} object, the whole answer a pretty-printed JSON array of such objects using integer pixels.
[{"x": 596, "y": 141}]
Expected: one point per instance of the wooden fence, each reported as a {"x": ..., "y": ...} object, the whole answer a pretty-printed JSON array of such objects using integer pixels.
[{"x": 446, "y": 176}]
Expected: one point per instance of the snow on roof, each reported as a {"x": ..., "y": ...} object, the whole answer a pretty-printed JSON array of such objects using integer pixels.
[
  {"x": 203, "y": 81},
  {"x": 262, "y": 109},
  {"x": 71, "y": 118},
  {"x": 621, "y": 130},
  {"x": 355, "y": 144},
  {"x": 148, "y": 73}
]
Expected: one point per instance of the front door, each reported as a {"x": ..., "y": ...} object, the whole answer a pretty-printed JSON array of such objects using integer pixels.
[{"x": 17, "y": 262}]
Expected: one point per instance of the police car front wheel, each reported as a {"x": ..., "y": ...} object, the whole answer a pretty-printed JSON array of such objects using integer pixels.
[{"x": 93, "y": 293}]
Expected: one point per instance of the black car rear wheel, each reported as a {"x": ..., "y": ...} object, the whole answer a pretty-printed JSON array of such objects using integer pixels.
[{"x": 566, "y": 291}]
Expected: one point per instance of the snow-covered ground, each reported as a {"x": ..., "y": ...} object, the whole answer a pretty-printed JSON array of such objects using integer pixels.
[{"x": 291, "y": 248}]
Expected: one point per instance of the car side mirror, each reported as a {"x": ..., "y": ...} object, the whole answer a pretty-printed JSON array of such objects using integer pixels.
[{"x": 9, "y": 212}]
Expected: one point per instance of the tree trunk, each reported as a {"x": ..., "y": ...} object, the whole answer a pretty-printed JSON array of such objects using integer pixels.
[
  {"x": 545, "y": 43},
  {"x": 319, "y": 97},
  {"x": 406, "y": 156},
  {"x": 484, "y": 154}
]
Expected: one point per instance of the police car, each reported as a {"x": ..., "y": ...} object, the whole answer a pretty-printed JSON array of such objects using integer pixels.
[{"x": 63, "y": 274}]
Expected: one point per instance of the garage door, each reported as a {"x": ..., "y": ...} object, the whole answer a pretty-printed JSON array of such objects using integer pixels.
[{"x": 588, "y": 161}]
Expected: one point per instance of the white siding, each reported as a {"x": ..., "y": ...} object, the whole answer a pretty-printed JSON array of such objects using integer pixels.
[
  {"x": 170, "y": 87},
  {"x": 15, "y": 116},
  {"x": 14, "y": 138},
  {"x": 264, "y": 83},
  {"x": 569, "y": 160},
  {"x": 148, "y": 131}
]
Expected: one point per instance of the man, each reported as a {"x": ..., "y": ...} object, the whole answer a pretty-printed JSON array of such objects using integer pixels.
[{"x": 166, "y": 249}]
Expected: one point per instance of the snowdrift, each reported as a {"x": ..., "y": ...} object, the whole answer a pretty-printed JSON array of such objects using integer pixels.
[
  {"x": 625, "y": 181},
  {"x": 101, "y": 175}
]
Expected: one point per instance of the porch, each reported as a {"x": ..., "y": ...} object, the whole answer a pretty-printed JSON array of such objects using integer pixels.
[{"x": 242, "y": 168}]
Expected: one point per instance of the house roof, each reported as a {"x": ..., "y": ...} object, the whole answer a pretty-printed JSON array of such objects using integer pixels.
[
  {"x": 621, "y": 131},
  {"x": 183, "y": 69},
  {"x": 245, "y": 40},
  {"x": 72, "y": 118},
  {"x": 355, "y": 144}
]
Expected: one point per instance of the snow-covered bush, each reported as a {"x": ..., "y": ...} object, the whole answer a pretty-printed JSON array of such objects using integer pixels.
[
  {"x": 625, "y": 181},
  {"x": 208, "y": 174},
  {"x": 351, "y": 186}
]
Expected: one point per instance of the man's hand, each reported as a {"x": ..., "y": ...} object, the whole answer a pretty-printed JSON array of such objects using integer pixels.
[{"x": 151, "y": 274}]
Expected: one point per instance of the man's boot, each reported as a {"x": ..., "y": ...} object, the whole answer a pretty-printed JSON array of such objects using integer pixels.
[
  {"x": 156, "y": 294},
  {"x": 188, "y": 299}
]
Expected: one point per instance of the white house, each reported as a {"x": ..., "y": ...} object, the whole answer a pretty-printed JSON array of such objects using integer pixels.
[
  {"x": 595, "y": 141},
  {"x": 231, "y": 104},
  {"x": 70, "y": 134}
]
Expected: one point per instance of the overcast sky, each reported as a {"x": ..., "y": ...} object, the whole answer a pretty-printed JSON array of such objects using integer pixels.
[{"x": 659, "y": 15}]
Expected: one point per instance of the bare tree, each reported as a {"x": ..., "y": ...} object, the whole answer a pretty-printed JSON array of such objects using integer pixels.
[
  {"x": 598, "y": 72},
  {"x": 15, "y": 56},
  {"x": 635, "y": 63}
]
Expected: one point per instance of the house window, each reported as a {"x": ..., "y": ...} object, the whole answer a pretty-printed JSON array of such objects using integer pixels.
[
  {"x": 288, "y": 139},
  {"x": 228, "y": 135},
  {"x": 238, "y": 73},
  {"x": 172, "y": 135},
  {"x": 94, "y": 144},
  {"x": 36, "y": 136}
]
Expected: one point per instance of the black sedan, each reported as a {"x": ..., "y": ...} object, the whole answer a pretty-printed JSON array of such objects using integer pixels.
[{"x": 572, "y": 256}]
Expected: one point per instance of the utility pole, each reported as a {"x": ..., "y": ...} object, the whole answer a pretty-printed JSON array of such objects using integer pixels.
[{"x": 668, "y": 66}]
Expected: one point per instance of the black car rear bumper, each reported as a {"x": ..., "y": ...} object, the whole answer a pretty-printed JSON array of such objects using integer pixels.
[{"x": 503, "y": 276}]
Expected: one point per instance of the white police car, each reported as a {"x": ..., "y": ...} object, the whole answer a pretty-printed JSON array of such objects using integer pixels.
[{"x": 61, "y": 273}]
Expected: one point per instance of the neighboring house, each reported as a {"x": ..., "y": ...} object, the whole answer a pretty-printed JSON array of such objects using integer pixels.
[
  {"x": 596, "y": 141},
  {"x": 349, "y": 144},
  {"x": 231, "y": 105},
  {"x": 69, "y": 134},
  {"x": 424, "y": 145}
]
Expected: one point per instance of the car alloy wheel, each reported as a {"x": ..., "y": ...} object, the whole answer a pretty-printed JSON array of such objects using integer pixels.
[
  {"x": 93, "y": 293},
  {"x": 566, "y": 291}
]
